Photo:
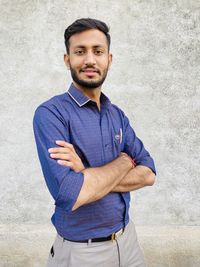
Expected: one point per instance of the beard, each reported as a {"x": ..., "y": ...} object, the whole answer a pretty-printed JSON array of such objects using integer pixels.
[{"x": 88, "y": 84}]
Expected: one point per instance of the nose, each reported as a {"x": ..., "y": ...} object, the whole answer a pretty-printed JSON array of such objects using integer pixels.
[{"x": 90, "y": 58}]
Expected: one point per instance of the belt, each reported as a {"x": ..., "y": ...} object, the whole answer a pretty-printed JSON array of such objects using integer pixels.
[{"x": 112, "y": 237}]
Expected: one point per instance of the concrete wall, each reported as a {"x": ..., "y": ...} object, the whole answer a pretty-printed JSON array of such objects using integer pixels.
[{"x": 154, "y": 79}]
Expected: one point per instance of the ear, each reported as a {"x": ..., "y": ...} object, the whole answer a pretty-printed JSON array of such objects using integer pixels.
[
  {"x": 110, "y": 58},
  {"x": 66, "y": 60}
]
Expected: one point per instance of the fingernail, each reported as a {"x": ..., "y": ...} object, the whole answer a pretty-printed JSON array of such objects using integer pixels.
[{"x": 59, "y": 162}]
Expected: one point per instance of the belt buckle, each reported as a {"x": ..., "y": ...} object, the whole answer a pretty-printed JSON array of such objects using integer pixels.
[{"x": 114, "y": 236}]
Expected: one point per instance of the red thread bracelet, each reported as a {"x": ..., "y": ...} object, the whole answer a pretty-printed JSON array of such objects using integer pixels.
[{"x": 133, "y": 162}]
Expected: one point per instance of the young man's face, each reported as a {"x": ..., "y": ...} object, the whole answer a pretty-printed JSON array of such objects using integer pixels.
[{"x": 88, "y": 58}]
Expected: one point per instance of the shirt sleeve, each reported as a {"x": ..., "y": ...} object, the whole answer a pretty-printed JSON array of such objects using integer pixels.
[
  {"x": 63, "y": 183},
  {"x": 134, "y": 147}
]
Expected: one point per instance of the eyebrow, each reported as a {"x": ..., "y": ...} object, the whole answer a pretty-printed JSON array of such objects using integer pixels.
[{"x": 95, "y": 46}]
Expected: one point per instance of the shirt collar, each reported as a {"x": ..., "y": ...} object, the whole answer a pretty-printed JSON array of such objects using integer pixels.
[
  {"x": 77, "y": 96},
  {"x": 82, "y": 99}
]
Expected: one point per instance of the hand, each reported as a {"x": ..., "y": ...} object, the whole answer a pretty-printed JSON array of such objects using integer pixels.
[
  {"x": 123, "y": 154},
  {"x": 66, "y": 156}
]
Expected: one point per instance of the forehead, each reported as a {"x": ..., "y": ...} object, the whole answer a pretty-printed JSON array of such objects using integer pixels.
[{"x": 88, "y": 38}]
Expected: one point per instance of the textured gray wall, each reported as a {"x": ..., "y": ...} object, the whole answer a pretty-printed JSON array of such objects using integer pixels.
[{"x": 154, "y": 79}]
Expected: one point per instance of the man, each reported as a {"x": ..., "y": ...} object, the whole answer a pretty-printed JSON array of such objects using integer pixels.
[{"x": 91, "y": 159}]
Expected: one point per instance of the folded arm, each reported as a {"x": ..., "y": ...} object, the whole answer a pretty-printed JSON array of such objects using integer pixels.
[
  {"x": 136, "y": 178},
  {"x": 98, "y": 181},
  {"x": 95, "y": 186}
]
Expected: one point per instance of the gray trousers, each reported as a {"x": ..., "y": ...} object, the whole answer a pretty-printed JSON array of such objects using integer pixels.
[{"x": 123, "y": 252}]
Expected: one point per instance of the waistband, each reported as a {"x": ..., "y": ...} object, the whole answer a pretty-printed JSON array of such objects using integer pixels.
[{"x": 112, "y": 237}]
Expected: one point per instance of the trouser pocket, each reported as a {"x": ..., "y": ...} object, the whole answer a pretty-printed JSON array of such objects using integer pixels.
[{"x": 55, "y": 253}]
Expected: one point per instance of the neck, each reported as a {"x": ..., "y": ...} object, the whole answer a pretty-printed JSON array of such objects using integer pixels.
[{"x": 93, "y": 94}]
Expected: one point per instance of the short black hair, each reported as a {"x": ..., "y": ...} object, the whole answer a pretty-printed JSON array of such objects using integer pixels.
[{"x": 83, "y": 24}]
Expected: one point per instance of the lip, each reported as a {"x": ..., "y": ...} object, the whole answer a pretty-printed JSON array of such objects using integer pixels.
[{"x": 90, "y": 72}]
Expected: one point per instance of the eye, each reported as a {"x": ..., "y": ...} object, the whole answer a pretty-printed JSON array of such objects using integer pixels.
[
  {"x": 79, "y": 52},
  {"x": 98, "y": 52}
]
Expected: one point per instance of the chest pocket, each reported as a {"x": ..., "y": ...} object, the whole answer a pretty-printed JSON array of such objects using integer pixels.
[
  {"x": 115, "y": 134},
  {"x": 116, "y": 145}
]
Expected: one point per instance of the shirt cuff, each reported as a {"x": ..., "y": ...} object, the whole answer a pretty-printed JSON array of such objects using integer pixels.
[
  {"x": 148, "y": 162},
  {"x": 68, "y": 196}
]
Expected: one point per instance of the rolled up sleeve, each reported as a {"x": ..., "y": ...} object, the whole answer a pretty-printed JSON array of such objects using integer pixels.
[
  {"x": 63, "y": 183},
  {"x": 135, "y": 148}
]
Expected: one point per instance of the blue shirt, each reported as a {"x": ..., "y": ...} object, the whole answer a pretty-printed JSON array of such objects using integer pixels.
[{"x": 98, "y": 138}]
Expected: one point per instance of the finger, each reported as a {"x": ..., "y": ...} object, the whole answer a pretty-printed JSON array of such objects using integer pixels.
[
  {"x": 61, "y": 156},
  {"x": 59, "y": 150},
  {"x": 65, "y": 163},
  {"x": 64, "y": 144}
]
